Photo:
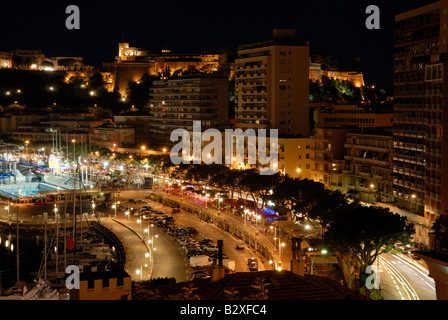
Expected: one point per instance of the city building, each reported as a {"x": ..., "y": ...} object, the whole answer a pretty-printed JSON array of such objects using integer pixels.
[
  {"x": 177, "y": 102},
  {"x": 272, "y": 85},
  {"x": 338, "y": 116},
  {"x": 132, "y": 63},
  {"x": 328, "y": 154},
  {"x": 110, "y": 135},
  {"x": 60, "y": 129},
  {"x": 316, "y": 73},
  {"x": 420, "y": 161},
  {"x": 295, "y": 157},
  {"x": 5, "y": 60},
  {"x": 140, "y": 123},
  {"x": 367, "y": 172}
]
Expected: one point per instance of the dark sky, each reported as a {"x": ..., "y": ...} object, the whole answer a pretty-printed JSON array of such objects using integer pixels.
[{"x": 334, "y": 26}]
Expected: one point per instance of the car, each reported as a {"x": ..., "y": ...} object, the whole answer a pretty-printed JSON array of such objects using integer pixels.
[
  {"x": 205, "y": 241},
  {"x": 147, "y": 217},
  {"x": 194, "y": 252},
  {"x": 200, "y": 275},
  {"x": 131, "y": 201},
  {"x": 175, "y": 210},
  {"x": 169, "y": 218},
  {"x": 191, "y": 247},
  {"x": 239, "y": 244},
  {"x": 215, "y": 256},
  {"x": 211, "y": 247},
  {"x": 141, "y": 201},
  {"x": 253, "y": 266},
  {"x": 192, "y": 230},
  {"x": 251, "y": 260}
]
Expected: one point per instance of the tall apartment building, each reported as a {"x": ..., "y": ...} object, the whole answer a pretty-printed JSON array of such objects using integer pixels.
[
  {"x": 368, "y": 166},
  {"x": 420, "y": 64},
  {"x": 272, "y": 85},
  {"x": 179, "y": 102}
]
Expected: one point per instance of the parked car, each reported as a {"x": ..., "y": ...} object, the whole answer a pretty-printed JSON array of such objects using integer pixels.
[
  {"x": 215, "y": 256},
  {"x": 200, "y": 261},
  {"x": 200, "y": 275},
  {"x": 147, "y": 217},
  {"x": 211, "y": 247},
  {"x": 192, "y": 230},
  {"x": 205, "y": 241},
  {"x": 131, "y": 201},
  {"x": 175, "y": 210},
  {"x": 141, "y": 201}
]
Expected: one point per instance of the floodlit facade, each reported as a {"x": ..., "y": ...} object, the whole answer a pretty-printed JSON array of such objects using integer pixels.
[
  {"x": 272, "y": 85},
  {"x": 420, "y": 158},
  {"x": 177, "y": 103}
]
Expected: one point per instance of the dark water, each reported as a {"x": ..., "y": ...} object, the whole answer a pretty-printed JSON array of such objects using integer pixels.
[{"x": 30, "y": 257}]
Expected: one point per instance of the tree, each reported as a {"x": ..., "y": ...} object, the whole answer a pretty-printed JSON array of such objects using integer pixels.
[
  {"x": 96, "y": 80},
  {"x": 307, "y": 195},
  {"x": 441, "y": 234},
  {"x": 359, "y": 234},
  {"x": 330, "y": 202}
]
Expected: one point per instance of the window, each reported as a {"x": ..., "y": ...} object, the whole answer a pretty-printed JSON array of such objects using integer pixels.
[{"x": 307, "y": 156}]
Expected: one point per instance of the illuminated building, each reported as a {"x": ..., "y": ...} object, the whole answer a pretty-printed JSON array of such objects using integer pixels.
[
  {"x": 5, "y": 60},
  {"x": 132, "y": 63},
  {"x": 420, "y": 159},
  {"x": 316, "y": 73},
  {"x": 367, "y": 171},
  {"x": 176, "y": 103},
  {"x": 337, "y": 116},
  {"x": 109, "y": 136},
  {"x": 272, "y": 85}
]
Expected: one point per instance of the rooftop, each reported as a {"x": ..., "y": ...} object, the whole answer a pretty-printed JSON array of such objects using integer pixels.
[{"x": 282, "y": 285}]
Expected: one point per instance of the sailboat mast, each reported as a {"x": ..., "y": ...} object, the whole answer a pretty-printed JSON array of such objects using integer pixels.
[
  {"x": 74, "y": 203},
  {"x": 18, "y": 267},
  {"x": 45, "y": 251}
]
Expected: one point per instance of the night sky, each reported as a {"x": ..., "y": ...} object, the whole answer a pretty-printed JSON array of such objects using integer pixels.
[{"x": 337, "y": 27}]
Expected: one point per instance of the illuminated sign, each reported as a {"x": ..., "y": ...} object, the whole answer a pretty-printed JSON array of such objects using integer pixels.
[{"x": 53, "y": 162}]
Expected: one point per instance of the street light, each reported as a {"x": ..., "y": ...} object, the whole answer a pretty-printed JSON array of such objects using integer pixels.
[
  {"x": 139, "y": 221},
  {"x": 57, "y": 238},
  {"x": 275, "y": 246},
  {"x": 7, "y": 208}
]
